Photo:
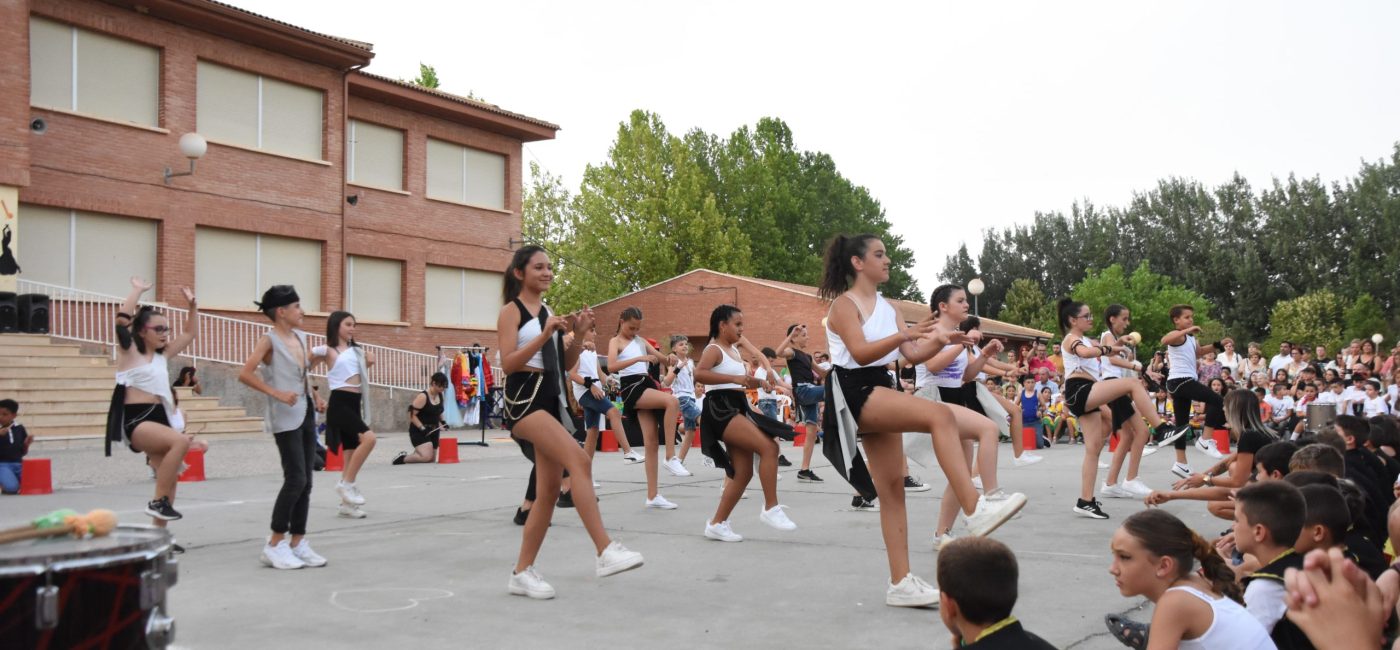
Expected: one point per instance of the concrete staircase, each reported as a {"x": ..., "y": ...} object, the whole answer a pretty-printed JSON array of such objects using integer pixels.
[{"x": 63, "y": 392}]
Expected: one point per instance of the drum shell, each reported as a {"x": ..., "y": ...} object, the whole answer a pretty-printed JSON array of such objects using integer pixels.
[{"x": 1321, "y": 416}]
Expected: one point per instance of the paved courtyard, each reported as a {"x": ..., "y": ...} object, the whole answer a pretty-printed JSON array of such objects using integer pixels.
[{"x": 429, "y": 567}]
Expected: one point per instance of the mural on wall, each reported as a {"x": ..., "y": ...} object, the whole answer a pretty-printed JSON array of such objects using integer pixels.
[
  {"x": 8, "y": 264},
  {"x": 9, "y": 239}
]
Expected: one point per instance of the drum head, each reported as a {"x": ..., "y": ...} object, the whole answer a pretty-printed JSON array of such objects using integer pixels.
[{"x": 128, "y": 543}]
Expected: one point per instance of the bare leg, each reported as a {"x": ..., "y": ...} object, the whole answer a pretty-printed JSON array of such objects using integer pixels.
[
  {"x": 742, "y": 460},
  {"x": 1137, "y": 429},
  {"x": 1093, "y": 424},
  {"x": 590, "y": 442},
  {"x": 423, "y": 453},
  {"x": 647, "y": 420},
  {"x": 655, "y": 399},
  {"x": 1107, "y": 390},
  {"x": 886, "y": 463},
  {"x": 948, "y": 510},
  {"x": 890, "y": 410},
  {"x": 809, "y": 442},
  {"x": 687, "y": 439},
  {"x": 358, "y": 457},
  {"x": 1018, "y": 446},
  {"x": 556, "y": 451},
  {"x": 1125, "y": 440},
  {"x": 620, "y": 435},
  {"x": 165, "y": 448}
]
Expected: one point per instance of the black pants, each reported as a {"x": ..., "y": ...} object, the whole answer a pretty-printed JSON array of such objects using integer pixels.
[
  {"x": 1184, "y": 391},
  {"x": 298, "y": 451}
]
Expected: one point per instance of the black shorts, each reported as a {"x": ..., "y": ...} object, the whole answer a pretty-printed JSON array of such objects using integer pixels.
[
  {"x": 418, "y": 437},
  {"x": 1123, "y": 411},
  {"x": 134, "y": 414},
  {"x": 527, "y": 392},
  {"x": 1077, "y": 391},
  {"x": 343, "y": 421},
  {"x": 632, "y": 389}
]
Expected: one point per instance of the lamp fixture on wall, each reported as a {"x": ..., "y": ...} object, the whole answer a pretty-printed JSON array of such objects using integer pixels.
[
  {"x": 976, "y": 287},
  {"x": 192, "y": 146}
]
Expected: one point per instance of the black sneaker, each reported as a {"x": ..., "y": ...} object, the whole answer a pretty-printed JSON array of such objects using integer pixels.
[
  {"x": 398, "y": 460},
  {"x": 1166, "y": 434},
  {"x": 807, "y": 476},
  {"x": 783, "y": 461},
  {"x": 521, "y": 516},
  {"x": 160, "y": 509},
  {"x": 176, "y": 548},
  {"x": 566, "y": 500},
  {"x": 912, "y": 484},
  {"x": 1090, "y": 509},
  {"x": 862, "y": 504}
]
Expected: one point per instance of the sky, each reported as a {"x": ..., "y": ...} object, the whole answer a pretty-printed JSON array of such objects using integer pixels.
[{"x": 956, "y": 116}]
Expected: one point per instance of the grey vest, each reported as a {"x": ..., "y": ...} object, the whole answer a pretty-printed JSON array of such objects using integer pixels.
[{"x": 283, "y": 374}]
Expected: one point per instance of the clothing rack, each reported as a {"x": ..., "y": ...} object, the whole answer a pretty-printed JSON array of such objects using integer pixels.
[{"x": 488, "y": 399}]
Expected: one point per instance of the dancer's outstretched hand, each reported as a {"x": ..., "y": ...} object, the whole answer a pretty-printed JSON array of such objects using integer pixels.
[{"x": 140, "y": 283}]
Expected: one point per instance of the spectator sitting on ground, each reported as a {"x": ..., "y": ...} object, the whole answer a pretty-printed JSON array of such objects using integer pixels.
[
  {"x": 14, "y": 444},
  {"x": 187, "y": 379},
  {"x": 977, "y": 586},
  {"x": 1043, "y": 379},
  {"x": 1268, "y": 519}
]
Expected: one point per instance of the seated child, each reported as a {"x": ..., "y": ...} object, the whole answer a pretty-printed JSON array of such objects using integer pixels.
[
  {"x": 1268, "y": 519},
  {"x": 977, "y": 583}
]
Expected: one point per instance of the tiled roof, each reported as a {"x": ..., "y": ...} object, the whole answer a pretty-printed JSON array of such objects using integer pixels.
[
  {"x": 462, "y": 100},
  {"x": 360, "y": 44}
]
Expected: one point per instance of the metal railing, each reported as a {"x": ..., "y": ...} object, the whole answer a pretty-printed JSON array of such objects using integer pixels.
[{"x": 91, "y": 318}]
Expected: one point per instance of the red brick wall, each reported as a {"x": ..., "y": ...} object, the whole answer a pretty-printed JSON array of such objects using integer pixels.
[{"x": 14, "y": 106}]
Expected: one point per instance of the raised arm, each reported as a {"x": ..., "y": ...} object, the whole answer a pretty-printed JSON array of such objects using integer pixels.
[
  {"x": 128, "y": 311},
  {"x": 582, "y": 321},
  {"x": 980, "y": 361},
  {"x": 785, "y": 348},
  {"x": 174, "y": 348}
]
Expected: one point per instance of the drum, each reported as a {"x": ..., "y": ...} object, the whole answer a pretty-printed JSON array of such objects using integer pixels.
[
  {"x": 1321, "y": 417},
  {"x": 104, "y": 592}
]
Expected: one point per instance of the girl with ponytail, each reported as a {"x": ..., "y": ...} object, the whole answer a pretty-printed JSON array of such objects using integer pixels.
[
  {"x": 1155, "y": 556},
  {"x": 864, "y": 405}
]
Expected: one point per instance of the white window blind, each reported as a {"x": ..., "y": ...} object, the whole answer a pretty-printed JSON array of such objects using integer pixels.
[
  {"x": 78, "y": 70},
  {"x": 233, "y": 268},
  {"x": 86, "y": 251},
  {"x": 374, "y": 288},
  {"x": 258, "y": 112},
  {"x": 375, "y": 155},
  {"x": 461, "y": 297},
  {"x": 466, "y": 175}
]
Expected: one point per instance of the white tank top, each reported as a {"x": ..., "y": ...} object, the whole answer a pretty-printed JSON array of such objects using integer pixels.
[
  {"x": 728, "y": 365},
  {"x": 976, "y": 352},
  {"x": 1074, "y": 362},
  {"x": 1109, "y": 371},
  {"x": 347, "y": 365},
  {"x": 632, "y": 350},
  {"x": 949, "y": 377},
  {"x": 529, "y": 329},
  {"x": 684, "y": 383},
  {"x": 883, "y": 322},
  {"x": 1232, "y": 626},
  {"x": 1182, "y": 359}
]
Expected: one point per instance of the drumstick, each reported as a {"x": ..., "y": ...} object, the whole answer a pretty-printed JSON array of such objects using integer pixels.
[
  {"x": 50, "y": 520},
  {"x": 97, "y": 523}
]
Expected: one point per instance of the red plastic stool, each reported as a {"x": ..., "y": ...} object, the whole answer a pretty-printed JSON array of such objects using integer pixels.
[
  {"x": 608, "y": 440},
  {"x": 334, "y": 462},
  {"x": 695, "y": 439},
  {"x": 194, "y": 459},
  {"x": 1113, "y": 442},
  {"x": 36, "y": 476},
  {"x": 1028, "y": 438},
  {"x": 1222, "y": 440},
  {"x": 447, "y": 451}
]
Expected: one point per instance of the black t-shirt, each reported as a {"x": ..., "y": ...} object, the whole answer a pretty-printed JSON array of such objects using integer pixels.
[
  {"x": 12, "y": 444},
  {"x": 800, "y": 368},
  {"x": 1252, "y": 441}
]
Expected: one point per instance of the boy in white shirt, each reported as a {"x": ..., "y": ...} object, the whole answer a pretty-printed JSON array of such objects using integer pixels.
[
  {"x": 1281, "y": 404},
  {"x": 1374, "y": 403}
]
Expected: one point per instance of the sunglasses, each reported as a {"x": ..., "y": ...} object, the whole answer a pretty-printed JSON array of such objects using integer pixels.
[{"x": 159, "y": 329}]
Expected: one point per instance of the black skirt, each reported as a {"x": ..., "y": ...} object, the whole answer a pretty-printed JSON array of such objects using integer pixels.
[
  {"x": 1123, "y": 411},
  {"x": 633, "y": 386},
  {"x": 838, "y": 443},
  {"x": 527, "y": 392},
  {"x": 724, "y": 405},
  {"x": 343, "y": 419}
]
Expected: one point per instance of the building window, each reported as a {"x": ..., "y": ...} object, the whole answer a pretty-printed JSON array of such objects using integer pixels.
[
  {"x": 375, "y": 155},
  {"x": 85, "y": 251},
  {"x": 249, "y": 110},
  {"x": 233, "y": 268},
  {"x": 465, "y": 175},
  {"x": 77, "y": 70},
  {"x": 461, "y": 297},
  {"x": 374, "y": 288}
]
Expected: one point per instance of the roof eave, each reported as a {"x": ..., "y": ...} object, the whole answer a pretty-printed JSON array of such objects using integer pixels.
[{"x": 373, "y": 88}]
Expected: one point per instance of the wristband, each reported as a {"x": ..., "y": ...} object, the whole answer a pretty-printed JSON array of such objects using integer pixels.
[
  {"x": 122, "y": 314},
  {"x": 588, "y": 382}
]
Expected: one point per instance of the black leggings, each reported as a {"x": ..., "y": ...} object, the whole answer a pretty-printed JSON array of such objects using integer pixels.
[
  {"x": 1184, "y": 391},
  {"x": 298, "y": 451}
]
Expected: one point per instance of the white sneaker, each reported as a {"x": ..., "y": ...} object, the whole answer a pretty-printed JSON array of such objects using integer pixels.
[
  {"x": 675, "y": 467},
  {"x": 977, "y": 482},
  {"x": 597, "y": 485},
  {"x": 616, "y": 559},
  {"x": 280, "y": 556},
  {"x": 708, "y": 462},
  {"x": 1026, "y": 458},
  {"x": 1136, "y": 488},
  {"x": 1149, "y": 450},
  {"x": 939, "y": 541},
  {"x": 998, "y": 494},
  {"x": 990, "y": 515},
  {"x": 530, "y": 584},
  {"x": 1181, "y": 469},
  {"x": 1103, "y": 465},
  {"x": 776, "y": 518},
  {"x": 1114, "y": 492},
  {"x": 633, "y": 457},
  {"x": 661, "y": 503},
  {"x": 1208, "y": 448},
  {"x": 722, "y": 532},
  {"x": 348, "y": 494},
  {"x": 308, "y": 557},
  {"x": 349, "y": 511},
  {"x": 912, "y": 591}
]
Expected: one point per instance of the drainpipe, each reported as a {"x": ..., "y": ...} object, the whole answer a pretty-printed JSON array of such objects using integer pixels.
[{"x": 344, "y": 165}]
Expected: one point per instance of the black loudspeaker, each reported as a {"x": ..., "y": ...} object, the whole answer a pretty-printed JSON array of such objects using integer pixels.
[
  {"x": 34, "y": 313},
  {"x": 9, "y": 313}
]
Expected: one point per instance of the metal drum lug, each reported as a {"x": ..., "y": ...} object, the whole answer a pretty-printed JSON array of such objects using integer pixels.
[
  {"x": 46, "y": 607},
  {"x": 160, "y": 630},
  {"x": 152, "y": 589}
]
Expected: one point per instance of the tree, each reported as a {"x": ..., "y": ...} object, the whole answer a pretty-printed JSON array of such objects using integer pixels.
[
  {"x": 1149, "y": 298},
  {"x": 427, "y": 76},
  {"x": 1364, "y": 318},
  {"x": 1026, "y": 305},
  {"x": 1309, "y": 320}
]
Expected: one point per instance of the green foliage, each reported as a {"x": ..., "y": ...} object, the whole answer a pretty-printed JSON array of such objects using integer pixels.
[
  {"x": 1027, "y": 305},
  {"x": 1242, "y": 249},
  {"x": 1149, "y": 298},
  {"x": 1364, "y": 318},
  {"x": 662, "y": 205},
  {"x": 1311, "y": 319},
  {"x": 427, "y": 76}
]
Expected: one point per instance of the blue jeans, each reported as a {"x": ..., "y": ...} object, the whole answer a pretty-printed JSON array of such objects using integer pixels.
[
  {"x": 9, "y": 477},
  {"x": 808, "y": 398},
  {"x": 594, "y": 410},
  {"x": 768, "y": 407},
  {"x": 1041, "y": 442},
  {"x": 690, "y": 412}
]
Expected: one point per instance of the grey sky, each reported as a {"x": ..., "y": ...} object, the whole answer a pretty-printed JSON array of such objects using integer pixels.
[{"x": 957, "y": 116}]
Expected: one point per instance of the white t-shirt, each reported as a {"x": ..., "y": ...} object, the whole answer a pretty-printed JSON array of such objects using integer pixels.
[
  {"x": 1282, "y": 406},
  {"x": 760, "y": 373},
  {"x": 1371, "y": 407},
  {"x": 1353, "y": 395},
  {"x": 587, "y": 367},
  {"x": 1329, "y": 397},
  {"x": 684, "y": 383},
  {"x": 1279, "y": 361},
  {"x": 1265, "y": 600},
  {"x": 1231, "y": 360}
]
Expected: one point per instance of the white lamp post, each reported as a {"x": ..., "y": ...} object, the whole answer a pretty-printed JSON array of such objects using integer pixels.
[
  {"x": 1377, "y": 338},
  {"x": 975, "y": 287},
  {"x": 192, "y": 146}
]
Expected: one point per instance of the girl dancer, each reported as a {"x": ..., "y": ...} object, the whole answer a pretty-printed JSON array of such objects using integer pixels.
[
  {"x": 680, "y": 378},
  {"x": 727, "y": 418},
  {"x": 142, "y": 401},
  {"x": 348, "y": 411},
  {"x": 628, "y": 356},
  {"x": 1087, "y": 397},
  {"x": 593, "y": 399},
  {"x": 950, "y": 377},
  {"x": 285, "y": 360},
  {"x": 996, "y": 367},
  {"x": 806, "y": 394},
  {"x": 1182, "y": 383},
  {"x": 1132, "y": 445},
  {"x": 535, "y": 357},
  {"x": 1154, "y": 555},
  {"x": 863, "y": 336},
  {"x": 425, "y": 423}
]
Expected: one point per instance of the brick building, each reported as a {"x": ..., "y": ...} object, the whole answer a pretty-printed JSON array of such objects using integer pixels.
[
  {"x": 682, "y": 305},
  {"x": 392, "y": 201}
]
